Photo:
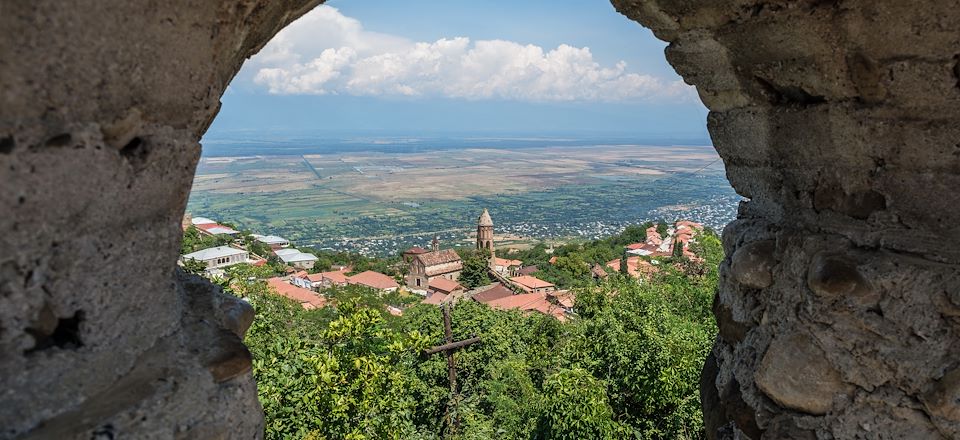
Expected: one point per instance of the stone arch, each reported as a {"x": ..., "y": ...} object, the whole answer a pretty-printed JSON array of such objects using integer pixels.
[{"x": 837, "y": 305}]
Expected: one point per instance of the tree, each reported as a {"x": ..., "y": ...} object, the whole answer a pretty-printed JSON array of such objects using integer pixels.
[
  {"x": 193, "y": 240},
  {"x": 193, "y": 266},
  {"x": 576, "y": 407},
  {"x": 624, "y": 267},
  {"x": 662, "y": 228},
  {"x": 475, "y": 270},
  {"x": 627, "y": 366}
]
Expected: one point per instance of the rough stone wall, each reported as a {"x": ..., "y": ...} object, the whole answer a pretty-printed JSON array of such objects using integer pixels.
[
  {"x": 839, "y": 302},
  {"x": 838, "y": 308},
  {"x": 102, "y": 103}
]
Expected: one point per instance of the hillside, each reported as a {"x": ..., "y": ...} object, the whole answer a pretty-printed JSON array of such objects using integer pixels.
[{"x": 626, "y": 366}]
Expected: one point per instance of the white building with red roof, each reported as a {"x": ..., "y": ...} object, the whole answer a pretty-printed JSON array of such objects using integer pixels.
[{"x": 506, "y": 266}]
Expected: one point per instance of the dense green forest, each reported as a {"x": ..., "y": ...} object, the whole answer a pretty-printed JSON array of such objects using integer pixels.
[{"x": 626, "y": 366}]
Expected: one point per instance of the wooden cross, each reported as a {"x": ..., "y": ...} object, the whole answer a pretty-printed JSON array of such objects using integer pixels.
[{"x": 448, "y": 348}]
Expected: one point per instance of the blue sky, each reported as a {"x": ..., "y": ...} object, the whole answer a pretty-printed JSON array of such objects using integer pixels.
[{"x": 531, "y": 66}]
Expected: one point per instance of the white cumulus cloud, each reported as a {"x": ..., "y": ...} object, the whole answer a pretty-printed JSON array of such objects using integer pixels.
[{"x": 326, "y": 52}]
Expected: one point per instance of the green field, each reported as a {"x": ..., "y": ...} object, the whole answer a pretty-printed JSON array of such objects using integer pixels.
[{"x": 380, "y": 202}]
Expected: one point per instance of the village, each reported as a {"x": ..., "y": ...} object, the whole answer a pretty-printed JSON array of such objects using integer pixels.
[{"x": 433, "y": 275}]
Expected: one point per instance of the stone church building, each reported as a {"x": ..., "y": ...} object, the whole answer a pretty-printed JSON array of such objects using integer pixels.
[{"x": 427, "y": 266}]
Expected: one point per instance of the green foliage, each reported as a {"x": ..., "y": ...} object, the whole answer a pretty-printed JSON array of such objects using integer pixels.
[
  {"x": 249, "y": 272},
  {"x": 475, "y": 268},
  {"x": 193, "y": 266},
  {"x": 392, "y": 266},
  {"x": 626, "y": 367},
  {"x": 254, "y": 246},
  {"x": 576, "y": 407},
  {"x": 194, "y": 240},
  {"x": 662, "y": 228}
]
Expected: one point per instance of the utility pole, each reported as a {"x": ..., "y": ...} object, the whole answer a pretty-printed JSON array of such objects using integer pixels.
[{"x": 448, "y": 349}]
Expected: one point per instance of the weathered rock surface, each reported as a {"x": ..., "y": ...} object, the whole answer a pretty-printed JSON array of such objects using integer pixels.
[
  {"x": 838, "y": 120},
  {"x": 752, "y": 264},
  {"x": 796, "y": 374},
  {"x": 102, "y": 104}
]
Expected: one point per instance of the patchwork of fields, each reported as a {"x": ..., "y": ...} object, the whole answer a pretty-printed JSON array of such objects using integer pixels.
[{"x": 377, "y": 202}]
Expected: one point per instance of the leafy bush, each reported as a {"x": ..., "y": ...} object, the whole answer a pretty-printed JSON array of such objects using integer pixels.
[{"x": 626, "y": 367}]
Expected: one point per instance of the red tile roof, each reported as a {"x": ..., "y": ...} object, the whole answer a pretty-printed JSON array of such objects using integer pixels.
[
  {"x": 497, "y": 292},
  {"x": 415, "y": 250},
  {"x": 444, "y": 285},
  {"x": 373, "y": 279},
  {"x": 635, "y": 246},
  {"x": 636, "y": 266},
  {"x": 434, "y": 299},
  {"x": 528, "y": 270},
  {"x": 529, "y": 302},
  {"x": 564, "y": 298},
  {"x": 439, "y": 257},
  {"x": 553, "y": 259},
  {"x": 315, "y": 277},
  {"x": 598, "y": 271},
  {"x": 689, "y": 224},
  {"x": 522, "y": 301},
  {"x": 506, "y": 262},
  {"x": 529, "y": 282},
  {"x": 307, "y": 298},
  {"x": 335, "y": 277}
]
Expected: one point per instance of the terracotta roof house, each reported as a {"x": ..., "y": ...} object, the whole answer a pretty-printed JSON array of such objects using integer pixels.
[
  {"x": 598, "y": 272},
  {"x": 307, "y": 298},
  {"x": 637, "y": 267},
  {"x": 528, "y": 270},
  {"x": 529, "y": 302},
  {"x": 317, "y": 281},
  {"x": 445, "y": 286},
  {"x": 688, "y": 224},
  {"x": 531, "y": 284},
  {"x": 506, "y": 266},
  {"x": 653, "y": 237},
  {"x": 428, "y": 266},
  {"x": 412, "y": 252},
  {"x": 435, "y": 298},
  {"x": 498, "y": 291},
  {"x": 333, "y": 278},
  {"x": 651, "y": 250},
  {"x": 373, "y": 280},
  {"x": 562, "y": 298}
]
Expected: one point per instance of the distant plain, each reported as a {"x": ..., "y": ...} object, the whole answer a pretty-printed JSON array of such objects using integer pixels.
[{"x": 323, "y": 197}]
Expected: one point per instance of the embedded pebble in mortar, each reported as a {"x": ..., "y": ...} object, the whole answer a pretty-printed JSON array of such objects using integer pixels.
[
  {"x": 752, "y": 264},
  {"x": 796, "y": 374}
]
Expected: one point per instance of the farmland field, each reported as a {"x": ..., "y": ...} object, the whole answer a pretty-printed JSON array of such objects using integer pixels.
[{"x": 379, "y": 200}]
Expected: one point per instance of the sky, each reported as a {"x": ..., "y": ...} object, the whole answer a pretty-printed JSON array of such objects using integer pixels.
[{"x": 533, "y": 66}]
